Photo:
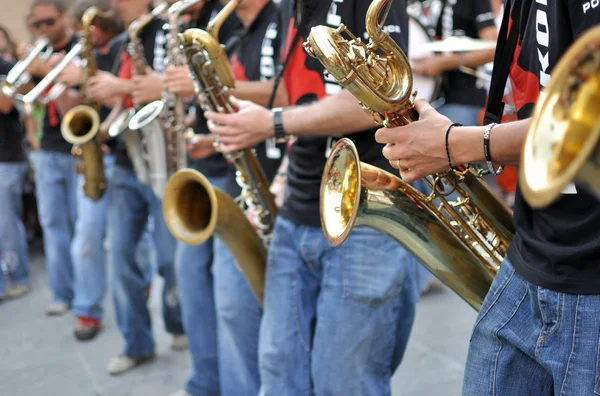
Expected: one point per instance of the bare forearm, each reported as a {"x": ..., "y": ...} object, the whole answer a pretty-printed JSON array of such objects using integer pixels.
[
  {"x": 259, "y": 92},
  {"x": 6, "y": 104},
  {"x": 339, "y": 114},
  {"x": 506, "y": 143}
]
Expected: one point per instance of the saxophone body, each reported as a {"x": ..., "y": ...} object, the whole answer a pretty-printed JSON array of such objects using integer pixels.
[
  {"x": 193, "y": 209},
  {"x": 462, "y": 241},
  {"x": 80, "y": 125},
  {"x": 145, "y": 146},
  {"x": 170, "y": 110}
]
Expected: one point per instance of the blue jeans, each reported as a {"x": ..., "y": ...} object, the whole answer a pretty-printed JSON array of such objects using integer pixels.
[
  {"x": 336, "y": 320},
  {"x": 89, "y": 250},
  {"x": 56, "y": 192},
  {"x": 238, "y": 321},
  {"x": 130, "y": 206},
  {"x": 196, "y": 290},
  {"x": 528, "y": 340},
  {"x": 13, "y": 241}
]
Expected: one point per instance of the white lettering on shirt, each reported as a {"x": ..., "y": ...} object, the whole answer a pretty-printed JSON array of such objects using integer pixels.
[{"x": 590, "y": 4}]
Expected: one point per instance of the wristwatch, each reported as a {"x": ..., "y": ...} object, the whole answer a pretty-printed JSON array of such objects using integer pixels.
[{"x": 280, "y": 135}]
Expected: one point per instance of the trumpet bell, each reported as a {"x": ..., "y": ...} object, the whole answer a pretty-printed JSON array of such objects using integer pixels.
[
  {"x": 358, "y": 194},
  {"x": 146, "y": 115},
  {"x": 562, "y": 145}
]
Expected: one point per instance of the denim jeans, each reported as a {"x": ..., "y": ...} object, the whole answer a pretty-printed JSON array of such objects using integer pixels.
[
  {"x": 196, "y": 290},
  {"x": 336, "y": 320},
  {"x": 14, "y": 265},
  {"x": 238, "y": 321},
  {"x": 56, "y": 193},
  {"x": 89, "y": 249},
  {"x": 528, "y": 340},
  {"x": 130, "y": 206}
]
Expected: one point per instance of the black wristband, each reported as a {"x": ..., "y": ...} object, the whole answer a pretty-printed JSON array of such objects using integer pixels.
[
  {"x": 447, "y": 149},
  {"x": 279, "y": 135}
]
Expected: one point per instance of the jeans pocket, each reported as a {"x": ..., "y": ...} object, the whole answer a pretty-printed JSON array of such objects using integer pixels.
[
  {"x": 504, "y": 275},
  {"x": 373, "y": 269}
]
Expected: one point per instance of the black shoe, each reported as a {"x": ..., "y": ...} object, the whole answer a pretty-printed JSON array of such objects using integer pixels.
[{"x": 87, "y": 328}]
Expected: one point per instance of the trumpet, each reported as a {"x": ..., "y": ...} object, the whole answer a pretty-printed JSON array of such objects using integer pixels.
[
  {"x": 18, "y": 75},
  {"x": 26, "y": 103},
  {"x": 463, "y": 241},
  {"x": 563, "y": 141}
]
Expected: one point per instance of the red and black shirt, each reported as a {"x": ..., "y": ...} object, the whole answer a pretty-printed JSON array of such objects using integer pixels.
[
  {"x": 558, "y": 247},
  {"x": 11, "y": 130},
  {"x": 52, "y": 139},
  {"x": 254, "y": 59},
  {"x": 305, "y": 82}
]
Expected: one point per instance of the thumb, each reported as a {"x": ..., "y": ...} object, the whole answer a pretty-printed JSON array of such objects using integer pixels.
[
  {"x": 423, "y": 108},
  {"x": 239, "y": 103}
]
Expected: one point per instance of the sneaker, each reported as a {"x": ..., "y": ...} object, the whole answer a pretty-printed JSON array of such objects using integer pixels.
[
  {"x": 17, "y": 291},
  {"x": 122, "y": 363},
  {"x": 87, "y": 328},
  {"x": 57, "y": 308},
  {"x": 180, "y": 392},
  {"x": 179, "y": 342}
]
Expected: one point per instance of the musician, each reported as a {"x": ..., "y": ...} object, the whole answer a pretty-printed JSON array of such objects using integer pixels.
[
  {"x": 131, "y": 204},
  {"x": 13, "y": 168},
  {"x": 464, "y": 95},
  {"x": 55, "y": 177},
  {"x": 336, "y": 320},
  {"x": 87, "y": 249},
  {"x": 537, "y": 332},
  {"x": 194, "y": 264}
]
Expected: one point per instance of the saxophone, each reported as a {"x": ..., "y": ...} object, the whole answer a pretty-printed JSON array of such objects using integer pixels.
[
  {"x": 193, "y": 209},
  {"x": 563, "y": 142},
  {"x": 145, "y": 147},
  {"x": 462, "y": 242},
  {"x": 80, "y": 125},
  {"x": 170, "y": 108}
]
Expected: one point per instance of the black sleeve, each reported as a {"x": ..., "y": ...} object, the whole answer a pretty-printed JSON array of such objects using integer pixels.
[
  {"x": 483, "y": 16},
  {"x": 583, "y": 15},
  {"x": 396, "y": 24},
  {"x": 5, "y": 66}
]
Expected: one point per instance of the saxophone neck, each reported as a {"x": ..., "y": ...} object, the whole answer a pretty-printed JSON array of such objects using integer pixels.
[{"x": 214, "y": 26}]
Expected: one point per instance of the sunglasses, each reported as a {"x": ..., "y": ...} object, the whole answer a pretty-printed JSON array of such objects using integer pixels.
[{"x": 48, "y": 22}]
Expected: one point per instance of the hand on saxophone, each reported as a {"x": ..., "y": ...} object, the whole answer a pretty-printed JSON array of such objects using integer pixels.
[
  {"x": 71, "y": 75},
  {"x": 178, "y": 81},
  {"x": 201, "y": 146},
  {"x": 104, "y": 86},
  {"x": 419, "y": 149},
  {"x": 147, "y": 88},
  {"x": 250, "y": 125}
]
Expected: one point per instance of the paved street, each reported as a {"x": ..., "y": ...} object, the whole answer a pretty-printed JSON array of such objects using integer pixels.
[{"x": 40, "y": 357}]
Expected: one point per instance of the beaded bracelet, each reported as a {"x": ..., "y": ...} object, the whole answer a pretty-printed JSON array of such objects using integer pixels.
[
  {"x": 486, "y": 150},
  {"x": 447, "y": 135}
]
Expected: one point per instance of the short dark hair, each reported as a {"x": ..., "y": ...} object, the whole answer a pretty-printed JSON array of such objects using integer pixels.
[
  {"x": 60, "y": 5},
  {"x": 112, "y": 25}
]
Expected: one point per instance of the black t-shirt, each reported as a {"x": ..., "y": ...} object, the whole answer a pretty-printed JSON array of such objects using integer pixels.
[
  {"x": 11, "y": 130},
  {"x": 214, "y": 165},
  {"x": 464, "y": 18},
  {"x": 305, "y": 83},
  {"x": 107, "y": 59},
  {"x": 557, "y": 247},
  {"x": 52, "y": 139},
  {"x": 251, "y": 64},
  {"x": 153, "y": 40}
]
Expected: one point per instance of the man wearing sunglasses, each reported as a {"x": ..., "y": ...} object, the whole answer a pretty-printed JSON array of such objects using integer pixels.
[{"x": 55, "y": 173}]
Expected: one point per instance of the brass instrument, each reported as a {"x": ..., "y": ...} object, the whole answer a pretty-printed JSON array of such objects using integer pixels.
[
  {"x": 18, "y": 75},
  {"x": 171, "y": 108},
  {"x": 462, "y": 242},
  {"x": 26, "y": 103},
  {"x": 81, "y": 124},
  {"x": 563, "y": 142},
  {"x": 146, "y": 147},
  {"x": 193, "y": 209}
]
